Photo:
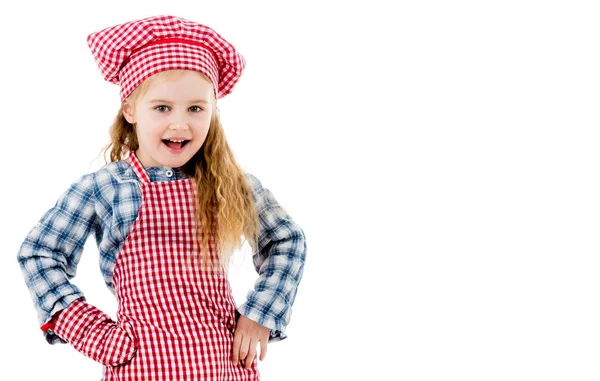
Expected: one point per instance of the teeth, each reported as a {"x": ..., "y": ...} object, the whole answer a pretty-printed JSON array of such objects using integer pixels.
[{"x": 176, "y": 141}]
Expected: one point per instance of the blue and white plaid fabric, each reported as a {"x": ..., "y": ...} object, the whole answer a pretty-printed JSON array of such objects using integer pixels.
[{"x": 106, "y": 202}]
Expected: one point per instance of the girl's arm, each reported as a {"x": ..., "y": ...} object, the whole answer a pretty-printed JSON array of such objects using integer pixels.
[
  {"x": 279, "y": 262},
  {"x": 51, "y": 251},
  {"x": 49, "y": 258}
]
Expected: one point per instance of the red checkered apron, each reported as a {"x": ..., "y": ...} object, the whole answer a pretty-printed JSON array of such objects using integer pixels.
[{"x": 183, "y": 317}]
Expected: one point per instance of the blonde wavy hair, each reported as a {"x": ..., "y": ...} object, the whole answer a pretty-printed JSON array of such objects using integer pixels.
[{"x": 224, "y": 204}]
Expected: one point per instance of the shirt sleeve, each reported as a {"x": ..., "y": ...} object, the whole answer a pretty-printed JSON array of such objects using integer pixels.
[
  {"x": 279, "y": 262},
  {"x": 51, "y": 251}
]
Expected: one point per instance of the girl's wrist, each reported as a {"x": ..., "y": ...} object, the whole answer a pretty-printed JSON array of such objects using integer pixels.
[{"x": 49, "y": 326}]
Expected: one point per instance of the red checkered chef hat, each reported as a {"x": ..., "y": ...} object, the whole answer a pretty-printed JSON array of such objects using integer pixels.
[{"x": 129, "y": 53}]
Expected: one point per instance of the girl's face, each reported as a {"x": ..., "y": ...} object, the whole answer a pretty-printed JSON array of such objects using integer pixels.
[{"x": 172, "y": 119}]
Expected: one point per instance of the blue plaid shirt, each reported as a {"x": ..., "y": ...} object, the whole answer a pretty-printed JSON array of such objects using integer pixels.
[{"x": 106, "y": 203}]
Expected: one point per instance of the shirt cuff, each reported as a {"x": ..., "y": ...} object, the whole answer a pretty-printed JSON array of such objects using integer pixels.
[{"x": 48, "y": 325}]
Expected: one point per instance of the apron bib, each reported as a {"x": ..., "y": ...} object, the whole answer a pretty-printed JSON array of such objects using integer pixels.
[{"x": 183, "y": 317}]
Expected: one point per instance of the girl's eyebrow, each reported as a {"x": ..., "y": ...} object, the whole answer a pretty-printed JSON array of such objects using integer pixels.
[{"x": 164, "y": 101}]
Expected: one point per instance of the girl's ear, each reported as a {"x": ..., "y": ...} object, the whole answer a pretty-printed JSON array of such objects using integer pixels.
[{"x": 128, "y": 112}]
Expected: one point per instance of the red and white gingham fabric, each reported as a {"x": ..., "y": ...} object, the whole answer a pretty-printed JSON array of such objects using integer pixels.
[
  {"x": 95, "y": 334},
  {"x": 182, "y": 318},
  {"x": 129, "y": 53}
]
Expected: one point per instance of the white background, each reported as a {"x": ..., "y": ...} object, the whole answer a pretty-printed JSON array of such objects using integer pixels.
[{"x": 442, "y": 158}]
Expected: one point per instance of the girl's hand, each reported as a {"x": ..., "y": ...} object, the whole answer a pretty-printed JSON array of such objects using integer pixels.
[{"x": 247, "y": 335}]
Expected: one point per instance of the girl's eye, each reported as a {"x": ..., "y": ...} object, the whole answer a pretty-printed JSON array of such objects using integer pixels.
[{"x": 193, "y": 108}]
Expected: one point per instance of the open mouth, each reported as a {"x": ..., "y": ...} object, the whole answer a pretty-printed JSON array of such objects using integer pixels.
[{"x": 175, "y": 144}]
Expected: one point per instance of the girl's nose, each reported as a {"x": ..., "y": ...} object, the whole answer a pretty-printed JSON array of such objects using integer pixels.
[{"x": 179, "y": 125}]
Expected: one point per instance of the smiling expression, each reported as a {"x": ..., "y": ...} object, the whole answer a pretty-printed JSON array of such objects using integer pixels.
[{"x": 172, "y": 118}]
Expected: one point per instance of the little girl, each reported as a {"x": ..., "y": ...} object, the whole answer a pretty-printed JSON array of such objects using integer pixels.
[{"x": 167, "y": 213}]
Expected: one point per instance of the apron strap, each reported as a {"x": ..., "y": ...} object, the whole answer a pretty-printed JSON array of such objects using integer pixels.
[{"x": 138, "y": 168}]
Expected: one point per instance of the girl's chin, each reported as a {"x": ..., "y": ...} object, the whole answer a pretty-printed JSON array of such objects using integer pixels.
[
  {"x": 176, "y": 160},
  {"x": 166, "y": 156}
]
